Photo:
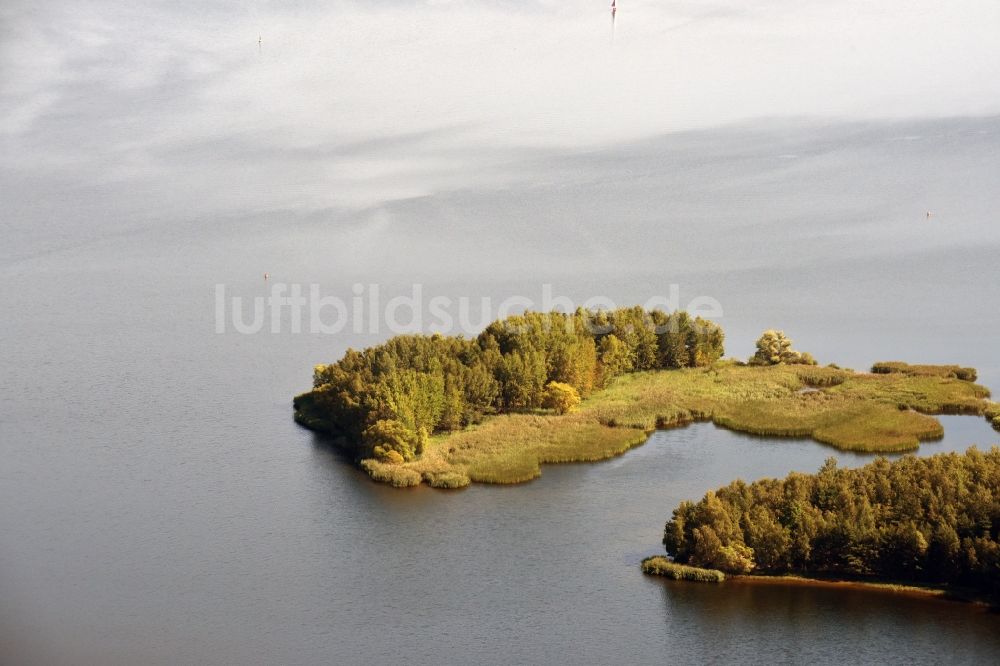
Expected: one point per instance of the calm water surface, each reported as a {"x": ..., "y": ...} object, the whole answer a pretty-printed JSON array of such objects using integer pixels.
[{"x": 158, "y": 504}]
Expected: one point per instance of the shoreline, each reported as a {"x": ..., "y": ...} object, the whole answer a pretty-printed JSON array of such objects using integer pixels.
[
  {"x": 941, "y": 592},
  {"x": 662, "y": 567}
]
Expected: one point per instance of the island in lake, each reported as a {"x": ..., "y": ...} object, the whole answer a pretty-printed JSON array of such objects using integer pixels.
[
  {"x": 553, "y": 387},
  {"x": 928, "y": 521}
]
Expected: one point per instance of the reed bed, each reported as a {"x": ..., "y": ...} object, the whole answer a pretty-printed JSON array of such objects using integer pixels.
[{"x": 661, "y": 566}]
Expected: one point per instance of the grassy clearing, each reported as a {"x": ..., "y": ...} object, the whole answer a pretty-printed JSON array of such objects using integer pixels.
[
  {"x": 851, "y": 411},
  {"x": 508, "y": 449},
  {"x": 885, "y": 412},
  {"x": 661, "y": 566}
]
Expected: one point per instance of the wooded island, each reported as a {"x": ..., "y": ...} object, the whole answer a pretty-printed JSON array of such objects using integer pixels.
[
  {"x": 928, "y": 521},
  {"x": 554, "y": 387}
]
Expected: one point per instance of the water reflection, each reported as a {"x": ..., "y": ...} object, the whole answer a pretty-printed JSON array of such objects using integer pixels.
[{"x": 780, "y": 622}]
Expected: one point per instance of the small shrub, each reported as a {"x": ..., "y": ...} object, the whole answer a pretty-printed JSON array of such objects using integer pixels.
[
  {"x": 560, "y": 398},
  {"x": 820, "y": 377},
  {"x": 967, "y": 374},
  {"x": 889, "y": 367},
  {"x": 390, "y": 456}
]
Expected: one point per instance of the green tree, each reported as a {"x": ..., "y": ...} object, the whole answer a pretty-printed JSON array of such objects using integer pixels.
[
  {"x": 387, "y": 437},
  {"x": 774, "y": 347},
  {"x": 615, "y": 358}
]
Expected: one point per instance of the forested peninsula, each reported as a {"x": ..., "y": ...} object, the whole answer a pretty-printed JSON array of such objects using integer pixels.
[
  {"x": 926, "y": 521},
  {"x": 555, "y": 387}
]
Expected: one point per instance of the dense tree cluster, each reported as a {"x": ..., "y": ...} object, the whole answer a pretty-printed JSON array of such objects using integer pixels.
[
  {"x": 933, "y": 520},
  {"x": 388, "y": 399},
  {"x": 774, "y": 347}
]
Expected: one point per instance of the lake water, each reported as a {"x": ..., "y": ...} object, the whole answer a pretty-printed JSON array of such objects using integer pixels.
[{"x": 158, "y": 504}]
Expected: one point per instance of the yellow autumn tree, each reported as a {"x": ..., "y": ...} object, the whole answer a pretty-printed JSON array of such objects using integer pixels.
[{"x": 560, "y": 398}]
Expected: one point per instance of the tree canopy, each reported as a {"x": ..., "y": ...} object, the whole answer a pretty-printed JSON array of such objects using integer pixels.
[
  {"x": 774, "y": 347},
  {"x": 933, "y": 520},
  {"x": 392, "y": 397}
]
